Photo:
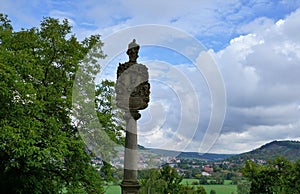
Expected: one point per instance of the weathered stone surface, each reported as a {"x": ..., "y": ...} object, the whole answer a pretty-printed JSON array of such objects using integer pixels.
[
  {"x": 132, "y": 95},
  {"x": 132, "y": 87}
]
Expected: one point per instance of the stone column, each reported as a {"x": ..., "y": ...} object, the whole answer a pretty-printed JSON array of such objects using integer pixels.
[
  {"x": 132, "y": 95},
  {"x": 130, "y": 184}
]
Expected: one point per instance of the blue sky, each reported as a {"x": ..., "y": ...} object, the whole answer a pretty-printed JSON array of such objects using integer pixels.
[
  {"x": 214, "y": 23},
  {"x": 255, "y": 46}
]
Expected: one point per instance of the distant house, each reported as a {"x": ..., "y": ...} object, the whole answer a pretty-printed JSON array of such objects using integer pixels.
[
  {"x": 97, "y": 161},
  {"x": 205, "y": 174},
  {"x": 208, "y": 169}
]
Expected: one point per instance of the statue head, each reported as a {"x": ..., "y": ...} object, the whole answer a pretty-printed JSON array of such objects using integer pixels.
[{"x": 133, "y": 50}]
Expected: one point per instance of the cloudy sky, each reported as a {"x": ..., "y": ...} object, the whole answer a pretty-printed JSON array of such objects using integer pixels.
[{"x": 224, "y": 74}]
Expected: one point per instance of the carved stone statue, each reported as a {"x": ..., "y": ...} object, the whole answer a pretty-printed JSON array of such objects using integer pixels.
[
  {"x": 132, "y": 95},
  {"x": 132, "y": 87}
]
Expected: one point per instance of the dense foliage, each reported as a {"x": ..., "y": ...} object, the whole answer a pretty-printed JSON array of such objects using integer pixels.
[
  {"x": 166, "y": 180},
  {"x": 40, "y": 150},
  {"x": 278, "y": 176},
  {"x": 110, "y": 117}
]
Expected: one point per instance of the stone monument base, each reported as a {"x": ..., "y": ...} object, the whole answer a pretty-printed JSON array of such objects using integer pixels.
[{"x": 130, "y": 187}]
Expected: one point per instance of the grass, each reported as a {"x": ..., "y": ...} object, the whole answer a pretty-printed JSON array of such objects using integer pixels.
[
  {"x": 221, "y": 189},
  {"x": 113, "y": 189},
  {"x": 227, "y": 188}
]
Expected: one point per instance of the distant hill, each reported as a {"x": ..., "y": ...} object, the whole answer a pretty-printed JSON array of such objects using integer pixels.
[
  {"x": 288, "y": 149},
  {"x": 206, "y": 156},
  {"x": 186, "y": 155}
]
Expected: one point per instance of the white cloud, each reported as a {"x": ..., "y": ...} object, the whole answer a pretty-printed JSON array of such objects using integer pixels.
[
  {"x": 254, "y": 137},
  {"x": 235, "y": 143},
  {"x": 62, "y": 16},
  {"x": 173, "y": 115},
  {"x": 261, "y": 72},
  {"x": 257, "y": 25}
]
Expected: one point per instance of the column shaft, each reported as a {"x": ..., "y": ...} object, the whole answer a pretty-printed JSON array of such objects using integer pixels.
[{"x": 130, "y": 183}]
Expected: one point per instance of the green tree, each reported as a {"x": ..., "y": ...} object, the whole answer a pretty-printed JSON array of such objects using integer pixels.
[
  {"x": 235, "y": 179},
  {"x": 218, "y": 179},
  {"x": 106, "y": 172},
  {"x": 111, "y": 122},
  {"x": 150, "y": 181},
  {"x": 186, "y": 189},
  {"x": 164, "y": 180},
  {"x": 293, "y": 179},
  {"x": 278, "y": 176},
  {"x": 201, "y": 190},
  {"x": 261, "y": 177},
  {"x": 243, "y": 187},
  {"x": 172, "y": 179},
  {"x": 40, "y": 150},
  {"x": 212, "y": 192},
  {"x": 110, "y": 117},
  {"x": 203, "y": 180}
]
